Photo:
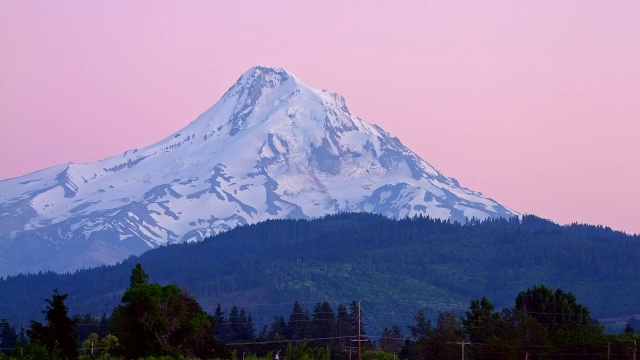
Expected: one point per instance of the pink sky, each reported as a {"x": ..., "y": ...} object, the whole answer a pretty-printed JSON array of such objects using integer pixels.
[{"x": 534, "y": 103}]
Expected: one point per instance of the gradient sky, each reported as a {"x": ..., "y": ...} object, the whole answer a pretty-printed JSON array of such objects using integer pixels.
[{"x": 534, "y": 103}]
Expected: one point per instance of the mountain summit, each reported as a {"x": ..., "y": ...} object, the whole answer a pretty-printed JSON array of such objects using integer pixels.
[{"x": 271, "y": 147}]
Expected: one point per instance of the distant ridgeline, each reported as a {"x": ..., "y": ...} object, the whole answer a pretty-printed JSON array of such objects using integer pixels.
[{"x": 395, "y": 267}]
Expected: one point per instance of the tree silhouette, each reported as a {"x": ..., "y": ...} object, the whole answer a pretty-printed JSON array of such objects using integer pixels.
[{"x": 59, "y": 333}]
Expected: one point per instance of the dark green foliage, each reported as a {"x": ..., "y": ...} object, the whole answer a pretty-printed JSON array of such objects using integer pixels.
[
  {"x": 302, "y": 351},
  {"x": 237, "y": 328},
  {"x": 446, "y": 336},
  {"x": 156, "y": 320},
  {"x": 166, "y": 323},
  {"x": 278, "y": 328},
  {"x": 323, "y": 324},
  {"x": 218, "y": 322},
  {"x": 34, "y": 352},
  {"x": 481, "y": 321},
  {"x": 87, "y": 324},
  {"x": 8, "y": 335},
  {"x": 558, "y": 310},
  {"x": 553, "y": 326},
  {"x": 422, "y": 326},
  {"x": 485, "y": 326},
  {"x": 299, "y": 323},
  {"x": 385, "y": 263},
  {"x": 567, "y": 325},
  {"x": 628, "y": 329},
  {"x": 438, "y": 342},
  {"x": 344, "y": 327},
  {"x": 320, "y": 330},
  {"x": 391, "y": 340},
  {"x": 138, "y": 277},
  {"x": 95, "y": 346},
  {"x": 58, "y": 335},
  {"x": 241, "y": 325}
]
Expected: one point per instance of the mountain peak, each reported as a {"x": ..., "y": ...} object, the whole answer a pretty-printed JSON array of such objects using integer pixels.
[
  {"x": 275, "y": 95},
  {"x": 272, "y": 147},
  {"x": 263, "y": 77},
  {"x": 266, "y": 74}
]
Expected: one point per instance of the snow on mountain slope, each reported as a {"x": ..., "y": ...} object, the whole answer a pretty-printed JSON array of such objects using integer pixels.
[{"x": 272, "y": 147}]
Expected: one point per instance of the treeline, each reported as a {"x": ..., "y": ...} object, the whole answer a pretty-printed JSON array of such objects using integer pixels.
[
  {"x": 158, "y": 322},
  {"x": 544, "y": 324},
  {"x": 322, "y": 327},
  {"x": 386, "y": 263},
  {"x": 152, "y": 320}
]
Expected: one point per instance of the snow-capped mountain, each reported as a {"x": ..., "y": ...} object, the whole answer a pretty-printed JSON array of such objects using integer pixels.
[{"x": 272, "y": 147}]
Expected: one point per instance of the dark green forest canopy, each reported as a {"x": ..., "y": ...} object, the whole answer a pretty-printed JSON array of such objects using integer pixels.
[
  {"x": 158, "y": 321},
  {"x": 402, "y": 265}
]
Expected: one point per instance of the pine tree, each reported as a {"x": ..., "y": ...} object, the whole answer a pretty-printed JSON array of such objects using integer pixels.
[
  {"x": 246, "y": 329},
  {"x": 324, "y": 322},
  {"x": 391, "y": 339},
  {"x": 233, "y": 328},
  {"x": 278, "y": 328},
  {"x": 59, "y": 333},
  {"x": 344, "y": 328},
  {"x": 138, "y": 276},
  {"x": 8, "y": 335},
  {"x": 219, "y": 323},
  {"x": 298, "y": 323},
  {"x": 422, "y": 328}
]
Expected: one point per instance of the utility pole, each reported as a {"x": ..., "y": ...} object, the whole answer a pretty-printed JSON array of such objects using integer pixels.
[
  {"x": 608, "y": 351},
  {"x": 635, "y": 349},
  {"x": 462, "y": 344},
  {"x": 360, "y": 340}
]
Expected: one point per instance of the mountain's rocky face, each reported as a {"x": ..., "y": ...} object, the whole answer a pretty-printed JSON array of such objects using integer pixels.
[{"x": 272, "y": 147}]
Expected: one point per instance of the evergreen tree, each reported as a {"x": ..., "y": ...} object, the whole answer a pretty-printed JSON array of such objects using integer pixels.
[
  {"x": 278, "y": 328},
  {"x": 446, "y": 335},
  {"x": 87, "y": 324},
  {"x": 324, "y": 322},
  {"x": 422, "y": 327},
  {"x": 482, "y": 323},
  {"x": 298, "y": 323},
  {"x": 219, "y": 323},
  {"x": 138, "y": 276},
  {"x": 246, "y": 329},
  {"x": 422, "y": 333},
  {"x": 58, "y": 336},
  {"x": 8, "y": 335},
  {"x": 391, "y": 339},
  {"x": 233, "y": 326},
  {"x": 344, "y": 328}
]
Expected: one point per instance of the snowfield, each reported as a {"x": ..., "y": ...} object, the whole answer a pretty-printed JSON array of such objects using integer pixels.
[{"x": 271, "y": 147}]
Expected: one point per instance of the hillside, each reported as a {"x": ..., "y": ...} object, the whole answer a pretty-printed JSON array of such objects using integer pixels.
[{"x": 395, "y": 267}]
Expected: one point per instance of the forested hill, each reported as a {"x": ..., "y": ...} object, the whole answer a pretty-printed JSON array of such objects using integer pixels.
[{"x": 393, "y": 267}]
